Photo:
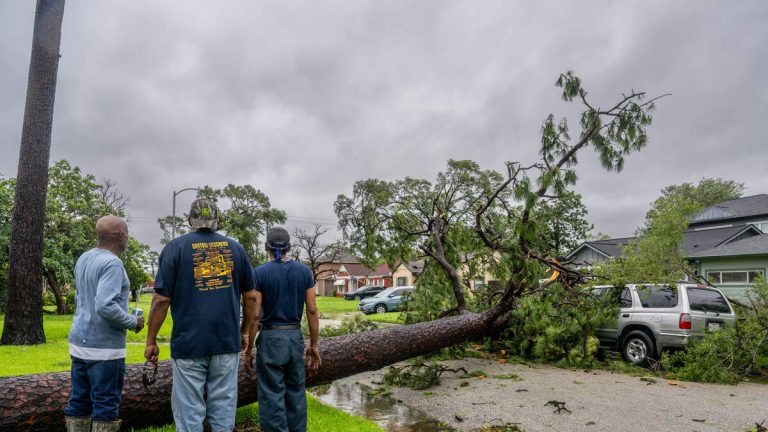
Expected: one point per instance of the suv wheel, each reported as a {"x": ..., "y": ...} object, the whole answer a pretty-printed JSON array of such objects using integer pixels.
[
  {"x": 380, "y": 308},
  {"x": 637, "y": 348}
]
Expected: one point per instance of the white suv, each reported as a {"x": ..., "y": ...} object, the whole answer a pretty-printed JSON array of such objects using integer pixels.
[{"x": 653, "y": 317}]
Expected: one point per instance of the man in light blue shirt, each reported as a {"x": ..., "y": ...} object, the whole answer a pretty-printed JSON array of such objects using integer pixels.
[{"x": 97, "y": 337}]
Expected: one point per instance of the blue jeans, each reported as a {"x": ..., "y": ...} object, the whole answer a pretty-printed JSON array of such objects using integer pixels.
[
  {"x": 97, "y": 386},
  {"x": 280, "y": 370},
  {"x": 193, "y": 378}
]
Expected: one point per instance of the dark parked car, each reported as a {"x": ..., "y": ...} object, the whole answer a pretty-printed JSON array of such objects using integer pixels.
[{"x": 364, "y": 292}]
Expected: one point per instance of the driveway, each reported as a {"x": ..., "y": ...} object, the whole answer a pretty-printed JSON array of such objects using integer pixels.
[{"x": 597, "y": 400}]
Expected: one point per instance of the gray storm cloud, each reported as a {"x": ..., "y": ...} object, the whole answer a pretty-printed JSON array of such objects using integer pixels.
[{"x": 300, "y": 99}]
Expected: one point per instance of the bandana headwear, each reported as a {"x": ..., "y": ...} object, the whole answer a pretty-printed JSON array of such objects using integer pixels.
[
  {"x": 278, "y": 254},
  {"x": 278, "y": 242}
]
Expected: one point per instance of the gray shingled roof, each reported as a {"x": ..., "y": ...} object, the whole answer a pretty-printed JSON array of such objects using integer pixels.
[
  {"x": 742, "y": 207},
  {"x": 610, "y": 247},
  {"x": 415, "y": 267},
  {"x": 757, "y": 245},
  {"x": 695, "y": 241}
]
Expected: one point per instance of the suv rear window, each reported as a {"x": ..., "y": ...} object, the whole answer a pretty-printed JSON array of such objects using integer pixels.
[
  {"x": 657, "y": 296},
  {"x": 707, "y": 301}
]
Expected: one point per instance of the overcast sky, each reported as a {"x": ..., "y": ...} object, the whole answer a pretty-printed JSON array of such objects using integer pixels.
[{"x": 301, "y": 99}]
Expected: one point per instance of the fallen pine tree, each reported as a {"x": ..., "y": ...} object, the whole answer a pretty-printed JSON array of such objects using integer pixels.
[
  {"x": 36, "y": 402},
  {"x": 463, "y": 203}
]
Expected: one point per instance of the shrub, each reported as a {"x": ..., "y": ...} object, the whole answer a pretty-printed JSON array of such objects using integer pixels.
[
  {"x": 49, "y": 299},
  {"x": 69, "y": 300},
  {"x": 558, "y": 325},
  {"x": 729, "y": 355},
  {"x": 712, "y": 360}
]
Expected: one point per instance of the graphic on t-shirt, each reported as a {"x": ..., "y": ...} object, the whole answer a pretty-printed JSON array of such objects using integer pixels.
[{"x": 213, "y": 265}]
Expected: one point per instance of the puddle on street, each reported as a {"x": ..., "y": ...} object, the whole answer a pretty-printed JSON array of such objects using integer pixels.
[{"x": 385, "y": 411}]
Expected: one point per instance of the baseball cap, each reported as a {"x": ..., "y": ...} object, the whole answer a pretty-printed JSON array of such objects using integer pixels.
[
  {"x": 278, "y": 238},
  {"x": 204, "y": 214}
]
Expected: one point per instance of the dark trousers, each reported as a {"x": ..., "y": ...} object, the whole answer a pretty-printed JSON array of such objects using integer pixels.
[
  {"x": 97, "y": 387},
  {"x": 280, "y": 369}
]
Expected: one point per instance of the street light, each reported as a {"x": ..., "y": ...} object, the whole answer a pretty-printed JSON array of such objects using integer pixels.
[{"x": 173, "y": 218}]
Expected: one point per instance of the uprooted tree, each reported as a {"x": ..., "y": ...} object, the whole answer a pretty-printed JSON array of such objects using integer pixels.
[{"x": 429, "y": 223}]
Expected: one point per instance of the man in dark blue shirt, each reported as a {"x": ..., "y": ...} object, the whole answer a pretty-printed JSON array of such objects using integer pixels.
[
  {"x": 202, "y": 275},
  {"x": 283, "y": 288}
]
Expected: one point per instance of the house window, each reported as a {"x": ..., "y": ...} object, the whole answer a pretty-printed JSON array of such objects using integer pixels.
[
  {"x": 479, "y": 282},
  {"x": 734, "y": 277},
  {"x": 402, "y": 281},
  {"x": 763, "y": 226}
]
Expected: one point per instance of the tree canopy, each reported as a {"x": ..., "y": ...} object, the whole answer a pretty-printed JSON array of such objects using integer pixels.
[
  {"x": 709, "y": 191},
  {"x": 245, "y": 214},
  {"x": 517, "y": 221},
  {"x": 656, "y": 254},
  {"x": 75, "y": 201},
  {"x": 403, "y": 219}
]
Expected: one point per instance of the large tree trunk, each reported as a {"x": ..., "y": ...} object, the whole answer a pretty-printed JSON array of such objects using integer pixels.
[
  {"x": 53, "y": 282},
  {"x": 24, "y": 311},
  {"x": 36, "y": 402}
]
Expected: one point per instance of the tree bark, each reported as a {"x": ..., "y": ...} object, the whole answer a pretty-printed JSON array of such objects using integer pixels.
[
  {"x": 24, "y": 311},
  {"x": 53, "y": 282},
  {"x": 36, "y": 402}
]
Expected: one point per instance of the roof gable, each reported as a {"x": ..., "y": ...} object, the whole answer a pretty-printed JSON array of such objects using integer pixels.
[
  {"x": 694, "y": 241},
  {"x": 585, "y": 245},
  {"x": 756, "y": 245}
]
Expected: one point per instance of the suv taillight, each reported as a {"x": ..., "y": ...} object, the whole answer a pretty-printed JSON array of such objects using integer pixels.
[{"x": 685, "y": 321}]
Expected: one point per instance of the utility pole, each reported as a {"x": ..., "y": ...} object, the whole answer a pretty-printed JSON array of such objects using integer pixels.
[{"x": 173, "y": 217}]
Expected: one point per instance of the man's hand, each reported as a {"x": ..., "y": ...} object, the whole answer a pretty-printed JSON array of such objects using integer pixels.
[
  {"x": 312, "y": 359},
  {"x": 246, "y": 349},
  {"x": 139, "y": 324},
  {"x": 152, "y": 352}
]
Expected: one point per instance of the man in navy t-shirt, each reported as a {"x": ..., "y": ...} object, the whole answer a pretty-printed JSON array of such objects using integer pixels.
[
  {"x": 202, "y": 275},
  {"x": 283, "y": 288}
]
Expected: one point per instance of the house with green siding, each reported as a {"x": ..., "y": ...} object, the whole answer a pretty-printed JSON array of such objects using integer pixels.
[
  {"x": 733, "y": 266},
  {"x": 727, "y": 243}
]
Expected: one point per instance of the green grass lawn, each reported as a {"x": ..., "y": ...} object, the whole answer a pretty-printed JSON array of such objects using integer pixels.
[
  {"x": 332, "y": 305},
  {"x": 388, "y": 317},
  {"x": 53, "y": 356},
  {"x": 329, "y": 306},
  {"x": 320, "y": 418}
]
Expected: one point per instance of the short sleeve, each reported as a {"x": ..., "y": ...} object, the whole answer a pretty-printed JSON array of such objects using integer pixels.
[
  {"x": 310, "y": 280},
  {"x": 165, "y": 280},
  {"x": 246, "y": 272},
  {"x": 256, "y": 284}
]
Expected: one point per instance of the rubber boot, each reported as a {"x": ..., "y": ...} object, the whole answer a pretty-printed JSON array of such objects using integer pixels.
[
  {"x": 78, "y": 424},
  {"x": 108, "y": 426}
]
